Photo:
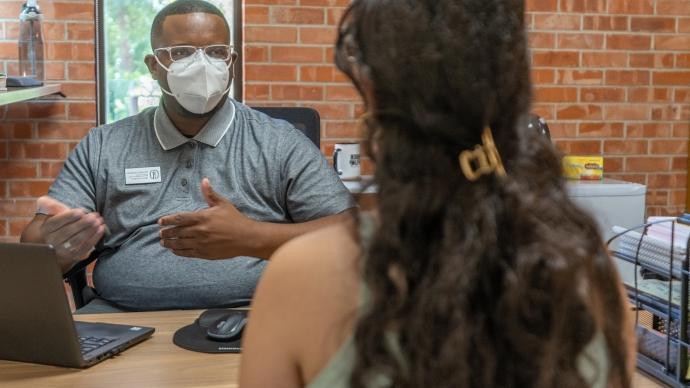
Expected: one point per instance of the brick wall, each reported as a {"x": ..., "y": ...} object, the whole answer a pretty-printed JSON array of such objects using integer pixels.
[
  {"x": 36, "y": 136},
  {"x": 611, "y": 76}
]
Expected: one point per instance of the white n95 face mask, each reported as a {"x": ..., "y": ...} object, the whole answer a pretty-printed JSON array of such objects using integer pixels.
[{"x": 198, "y": 83}]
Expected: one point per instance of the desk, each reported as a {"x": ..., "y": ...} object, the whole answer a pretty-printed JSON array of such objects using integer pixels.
[{"x": 156, "y": 362}]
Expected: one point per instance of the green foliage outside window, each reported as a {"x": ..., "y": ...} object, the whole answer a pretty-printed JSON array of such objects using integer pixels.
[{"x": 130, "y": 87}]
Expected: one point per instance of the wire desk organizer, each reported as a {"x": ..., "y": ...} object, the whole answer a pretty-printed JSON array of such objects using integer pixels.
[{"x": 659, "y": 294}]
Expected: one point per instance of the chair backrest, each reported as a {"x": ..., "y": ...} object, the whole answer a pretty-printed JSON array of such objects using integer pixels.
[{"x": 306, "y": 120}]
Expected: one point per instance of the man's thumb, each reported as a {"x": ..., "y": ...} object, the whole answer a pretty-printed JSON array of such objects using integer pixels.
[
  {"x": 212, "y": 198},
  {"x": 49, "y": 206}
]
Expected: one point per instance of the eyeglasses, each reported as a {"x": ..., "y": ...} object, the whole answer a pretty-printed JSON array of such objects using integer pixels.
[{"x": 181, "y": 53}]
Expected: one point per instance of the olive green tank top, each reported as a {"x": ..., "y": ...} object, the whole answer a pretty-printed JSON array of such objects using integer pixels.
[{"x": 593, "y": 363}]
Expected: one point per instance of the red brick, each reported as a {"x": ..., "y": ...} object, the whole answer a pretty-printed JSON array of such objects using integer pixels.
[
  {"x": 683, "y": 61},
  {"x": 282, "y": 15},
  {"x": 295, "y": 54},
  {"x": 557, "y": 22},
  {"x": 81, "y": 31},
  {"x": 671, "y": 78},
  {"x": 321, "y": 74},
  {"x": 46, "y": 110},
  {"x": 82, "y": 111},
  {"x": 579, "y": 147},
  {"x": 256, "y": 14},
  {"x": 53, "y": 31},
  {"x": 679, "y": 163},
  {"x": 628, "y": 42},
  {"x": 49, "y": 169},
  {"x": 342, "y": 93},
  {"x": 580, "y": 77},
  {"x": 79, "y": 91},
  {"x": 542, "y": 40},
  {"x": 625, "y": 147},
  {"x": 82, "y": 71},
  {"x": 317, "y": 35},
  {"x": 683, "y": 25},
  {"x": 541, "y": 5},
  {"x": 582, "y": 6},
  {"x": 580, "y": 112},
  {"x": 673, "y": 7},
  {"x": 602, "y": 95},
  {"x": 627, "y": 112},
  {"x": 639, "y": 60},
  {"x": 62, "y": 130},
  {"x": 16, "y": 169},
  {"x": 666, "y": 181},
  {"x": 604, "y": 59},
  {"x": 33, "y": 188},
  {"x": 343, "y": 130},
  {"x": 271, "y": 34},
  {"x": 10, "y": 9},
  {"x": 55, "y": 71},
  {"x": 543, "y": 76},
  {"x": 257, "y": 92},
  {"x": 17, "y": 208},
  {"x": 325, "y": 3},
  {"x": 649, "y": 95},
  {"x": 563, "y": 130},
  {"x": 647, "y": 164},
  {"x": 606, "y": 130},
  {"x": 558, "y": 94},
  {"x": 627, "y": 77},
  {"x": 673, "y": 42},
  {"x": 648, "y": 130},
  {"x": 605, "y": 23},
  {"x": 333, "y": 16},
  {"x": 555, "y": 58},
  {"x": 68, "y": 11},
  {"x": 657, "y": 197},
  {"x": 17, "y": 225},
  {"x": 612, "y": 165},
  {"x": 297, "y": 92},
  {"x": 669, "y": 147},
  {"x": 333, "y": 111},
  {"x": 38, "y": 151},
  {"x": 652, "y": 24},
  {"x": 271, "y": 73},
  {"x": 581, "y": 41},
  {"x": 643, "y": 7}
]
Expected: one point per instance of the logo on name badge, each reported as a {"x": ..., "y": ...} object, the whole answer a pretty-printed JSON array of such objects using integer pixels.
[{"x": 144, "y": 175}]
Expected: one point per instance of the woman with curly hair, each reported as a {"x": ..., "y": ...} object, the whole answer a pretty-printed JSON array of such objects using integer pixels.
[{"x": 477, "y": 270}]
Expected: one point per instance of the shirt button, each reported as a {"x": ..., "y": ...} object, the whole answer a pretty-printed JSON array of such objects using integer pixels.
[
  {"x": 192, "y": 144},
  {"x": 190, "y": 164},
  {"x": 184, "y": 182}
]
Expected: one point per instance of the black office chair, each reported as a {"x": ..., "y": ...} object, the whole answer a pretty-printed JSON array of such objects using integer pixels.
[
  {"x": 539, "y": 124},
  {"x": 306, "y": 120}
]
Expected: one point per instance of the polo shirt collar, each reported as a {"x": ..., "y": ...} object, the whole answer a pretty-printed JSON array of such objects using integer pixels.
[{"x": 211, "y": 134}]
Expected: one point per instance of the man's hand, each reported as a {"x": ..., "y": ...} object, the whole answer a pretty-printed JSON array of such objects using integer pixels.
[
  {"x": 217, "y": 232},
  {"x": 73, "y": 233}
]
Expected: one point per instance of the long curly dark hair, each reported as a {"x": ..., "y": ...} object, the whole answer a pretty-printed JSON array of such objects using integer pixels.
[{"x": 501, "y": 282}]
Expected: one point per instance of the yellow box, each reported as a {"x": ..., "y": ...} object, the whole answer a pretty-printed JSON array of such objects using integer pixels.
[{"x": 583, "y": 167}]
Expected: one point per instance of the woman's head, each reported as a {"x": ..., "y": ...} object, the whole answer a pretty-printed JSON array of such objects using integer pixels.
[{"x": 497, "y": 281}]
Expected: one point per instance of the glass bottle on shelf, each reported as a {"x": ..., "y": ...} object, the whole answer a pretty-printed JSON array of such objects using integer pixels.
[{"x": 31, "y": 52}]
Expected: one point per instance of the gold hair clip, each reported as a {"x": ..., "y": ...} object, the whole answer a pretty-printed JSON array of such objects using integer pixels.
[{"x": 485, "y": 157}]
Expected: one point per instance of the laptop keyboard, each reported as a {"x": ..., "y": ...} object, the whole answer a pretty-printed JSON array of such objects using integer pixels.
[{"x": 89, "y": 344}]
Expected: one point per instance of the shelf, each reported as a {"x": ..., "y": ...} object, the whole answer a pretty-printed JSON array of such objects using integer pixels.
[{"x": 13, "y": 95}]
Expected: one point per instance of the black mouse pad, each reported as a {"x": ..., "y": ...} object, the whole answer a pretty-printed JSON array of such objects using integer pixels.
[{"x": 193, "y": 337}]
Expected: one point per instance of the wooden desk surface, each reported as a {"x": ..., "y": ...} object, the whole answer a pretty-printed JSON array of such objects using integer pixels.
[{"x": 156, "y": 362}]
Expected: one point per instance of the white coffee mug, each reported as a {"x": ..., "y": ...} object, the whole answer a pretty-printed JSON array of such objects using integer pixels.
[{"x": 346, "y": 161}]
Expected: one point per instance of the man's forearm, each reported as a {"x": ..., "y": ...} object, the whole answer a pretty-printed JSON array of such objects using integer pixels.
[{"x": 272, "y": 236}]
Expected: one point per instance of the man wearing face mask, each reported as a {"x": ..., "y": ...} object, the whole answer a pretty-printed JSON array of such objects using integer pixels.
[{"x": 184, "y": 201}]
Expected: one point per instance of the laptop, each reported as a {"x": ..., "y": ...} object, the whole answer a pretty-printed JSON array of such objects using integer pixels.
[{"x": 37, "y": 324}]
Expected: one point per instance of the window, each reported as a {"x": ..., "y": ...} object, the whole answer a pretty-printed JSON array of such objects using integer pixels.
[{"x": 123, "y": 27}]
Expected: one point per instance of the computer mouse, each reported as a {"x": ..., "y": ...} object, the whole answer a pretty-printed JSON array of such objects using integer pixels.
[{"x": 227, "y": 328}]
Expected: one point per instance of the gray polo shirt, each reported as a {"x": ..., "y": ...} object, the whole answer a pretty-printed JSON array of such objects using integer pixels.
[{"x": 141, "y": 168}]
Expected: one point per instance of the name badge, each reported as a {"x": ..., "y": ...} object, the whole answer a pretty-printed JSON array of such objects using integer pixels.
[{"x": 140, "y": 176}]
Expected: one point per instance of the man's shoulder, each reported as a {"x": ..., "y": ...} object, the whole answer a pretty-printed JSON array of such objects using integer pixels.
[{"x": 127, "y": 126}]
